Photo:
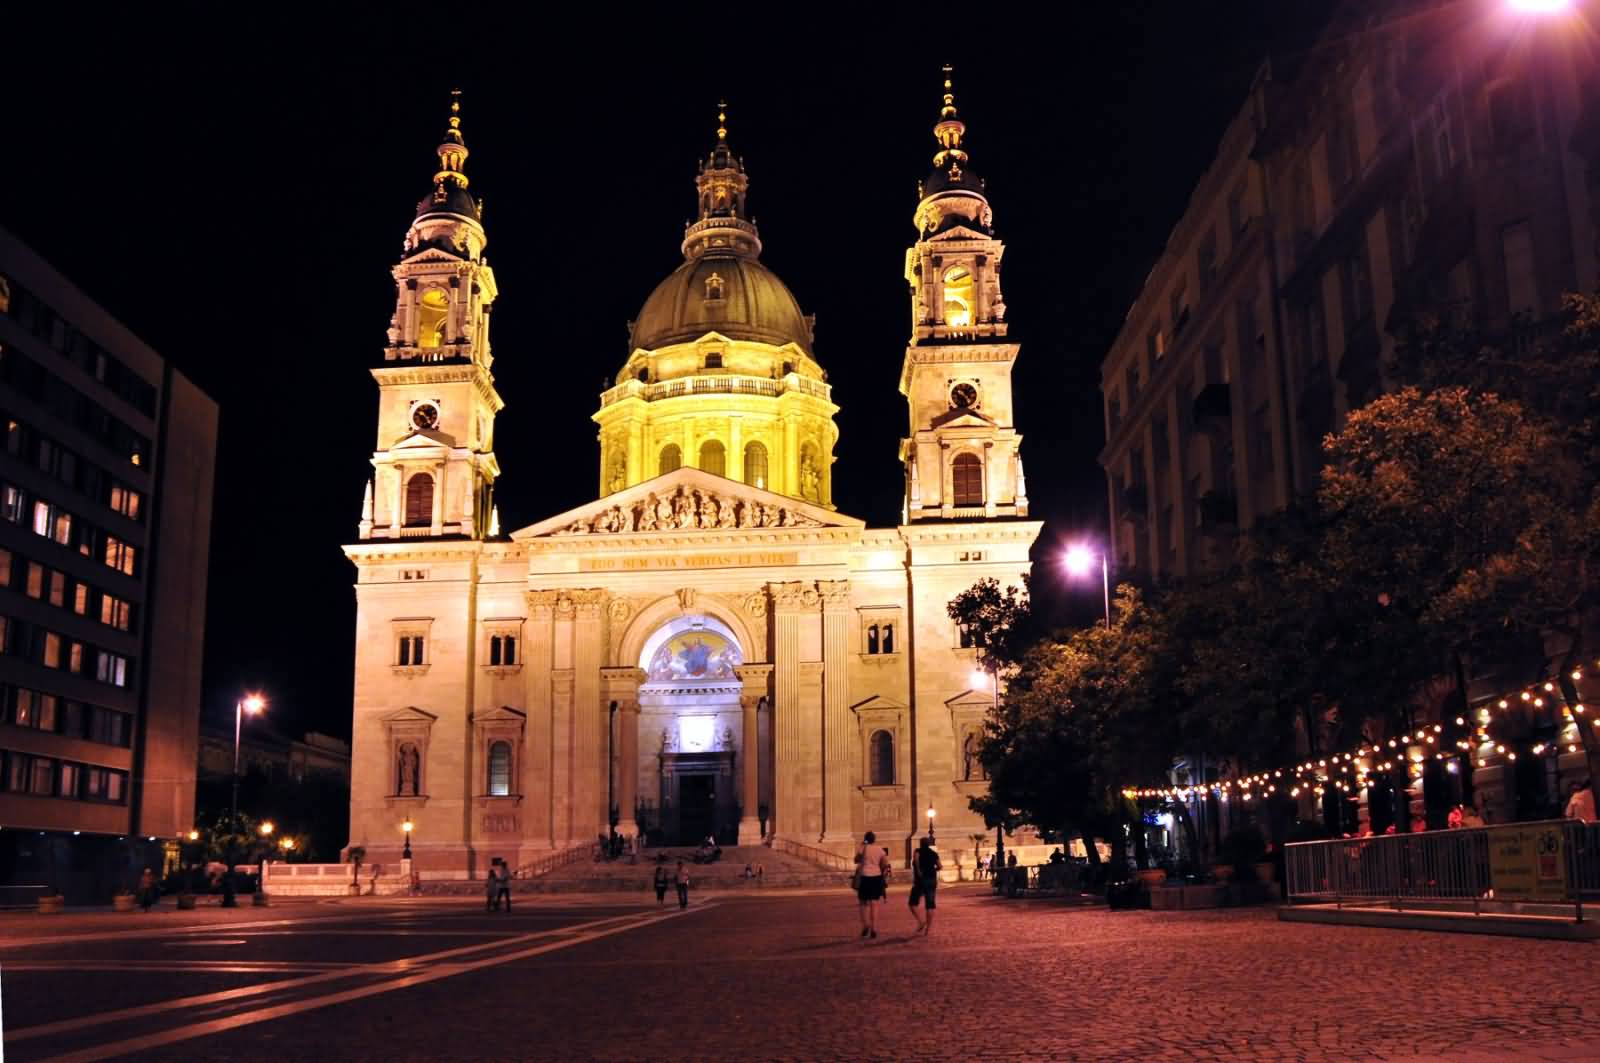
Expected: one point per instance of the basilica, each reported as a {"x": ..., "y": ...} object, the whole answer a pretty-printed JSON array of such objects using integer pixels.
[{"x": 709, "y": 647}]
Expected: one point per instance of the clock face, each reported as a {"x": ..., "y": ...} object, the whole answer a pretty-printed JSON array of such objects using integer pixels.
[
  {"x": 964, "y": 396},
  {"x": 425, "y": 415}
]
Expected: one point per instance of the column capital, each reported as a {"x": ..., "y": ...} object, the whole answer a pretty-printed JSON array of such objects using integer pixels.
[
  {"x": 791, "y": 597},
  {"x": 835, "y": 594},
  {"x": 622, "y": 682},
  {"x": 754, "y": 676},
  {"x": 541, "y": 604},
  {"x": 586, "y": 603}
]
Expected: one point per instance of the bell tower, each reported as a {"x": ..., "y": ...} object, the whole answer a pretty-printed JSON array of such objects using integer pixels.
[
  {"x": 962, "y": 456},
  {"x": 434, "y": 466}
]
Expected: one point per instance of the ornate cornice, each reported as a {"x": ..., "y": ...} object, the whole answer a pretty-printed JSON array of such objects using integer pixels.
[{"x": 789, "y": 597}]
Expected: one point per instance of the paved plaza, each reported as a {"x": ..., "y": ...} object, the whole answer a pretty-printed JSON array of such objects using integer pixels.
[{"x": 777, "y": 975}]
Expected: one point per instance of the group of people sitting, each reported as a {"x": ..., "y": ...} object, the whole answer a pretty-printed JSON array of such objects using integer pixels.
[{"x": 708, "y": 852}]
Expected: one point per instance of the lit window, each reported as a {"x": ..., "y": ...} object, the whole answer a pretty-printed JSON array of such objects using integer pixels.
[
  {"x": 45, "y": 717},
  {"x": 432, "y": 313},
  {"x": 499, "y": 769},
  {"x": 41, "y": 518},
  {"x": 125, "y": 500},
  {"x": 75, "y": 657},
  {"x": 957, "y": 297},
  {"x": 5, "y": 567},
  {"x": 58, "y": 588},
  {"x": 44, "y": 777},
  {"x": 11, "y": 505},
  {"x": 671, "y": 459},
  {"x": 966, "y": 480},
  {"x": 68, "y": 786},
  {"x": 35, "y": 583},
  {"x": 51, "y": 657},
  {"x": 713, "y": 458},
  {"x": 80, "y": 598},
  {"x": 882, "y": 758},
  {"x": 755, "y": 465},
  {"x": 62, "y": 530}
]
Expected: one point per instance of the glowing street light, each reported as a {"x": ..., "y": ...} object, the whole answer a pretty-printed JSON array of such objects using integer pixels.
[
  {"x": 266, "y": 828},
  {"x": 194, "y": 835},
  {"x": 407, "y": 827},
  {"x": 930, "y": 823},
  {"x": 253, "y": 704},
  {"x": 1080, "y": 561}
]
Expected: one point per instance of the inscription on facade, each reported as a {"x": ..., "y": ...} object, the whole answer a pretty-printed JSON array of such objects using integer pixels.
[{"x": 667, "y": 561}]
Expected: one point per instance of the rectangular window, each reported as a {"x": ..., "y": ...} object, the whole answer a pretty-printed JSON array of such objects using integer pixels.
[
  {"x": 1522, "y": 291},
  {"x": 17, "y": 772},
  {"x": 43, "y": 782},
  {"x": 45, "y": 717},
  {"x": 68, "y": 785},
  {"x": 119, "y": 555},
  {"x": 35, "y": 582},
  {"x": 410, "y": 650},
  {"x": 23, "y": 714},
  {"x": 58, "y": 588},
  {"x": 115, "y": 612},
  {"x": 6, "y": 561},
  {"x": 94, "y": 784},
  {"x": 11, "y": 505},
  {"x": 41, "y": 518},
  {"x": 61, "y": 529},
  {"x": 72, "y": 718},
  {"x": 80, "y": 598},
  {"x": 116, "y": 782},
  {"x": 125, "y": 500},
  {"x": 494, "y": 650},
  {"x": 51, "y": 656},
  {"x": 75, "y": 657}
]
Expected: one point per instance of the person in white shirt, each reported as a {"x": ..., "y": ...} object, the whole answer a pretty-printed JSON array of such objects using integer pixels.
[{"x": 871, "y": 882}]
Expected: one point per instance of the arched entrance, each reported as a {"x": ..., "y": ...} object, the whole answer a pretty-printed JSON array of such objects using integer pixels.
[{"x": 690, "y": 733}]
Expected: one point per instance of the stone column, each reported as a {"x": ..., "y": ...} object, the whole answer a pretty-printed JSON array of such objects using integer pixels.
[
  {"x": 838, "y": 739},
  {"x": 621, "y": 685},
  {"x": 590, "y": 719},
  {"x": 757, "y": 680},
  {"x": 536, "y": 676},
  {"x": 787, "y": 716}
]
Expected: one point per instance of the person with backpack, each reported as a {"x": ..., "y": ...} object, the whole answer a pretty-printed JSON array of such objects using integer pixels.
[
  {"x": 661, "y": 882},
  {"x": 925, "y": 867}
]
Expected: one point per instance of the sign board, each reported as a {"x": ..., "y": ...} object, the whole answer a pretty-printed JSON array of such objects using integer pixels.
[
  {"x": 1528, "y": 863},
  {"x": 651, "y": 562}
]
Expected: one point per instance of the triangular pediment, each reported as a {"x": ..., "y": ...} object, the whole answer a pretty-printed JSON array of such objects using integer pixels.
[
  {"x": 500, "y": 714},
  {"x": 688, "y": 500},
  {"x": 972, "y": 699},
  {"x": 420, "y": 438},
  {"x": 410, "y": 714},
  {"x": 958, "y": 232},
  {"x": 432, "y": 254},
  {"x": 962, "y": 419}
]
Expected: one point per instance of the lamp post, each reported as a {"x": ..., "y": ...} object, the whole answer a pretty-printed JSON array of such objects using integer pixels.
[
  {"x": 930, "y": 823},
  {"x": 252, "y": 704},
  {"x": 407, "y": 827},
  {"x": 1080, "y": 561},
  {"x": 287, "y": 845}
]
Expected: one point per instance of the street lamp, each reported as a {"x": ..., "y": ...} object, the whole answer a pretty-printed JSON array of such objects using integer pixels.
[
  {"x": 252, "y": 704},
  {"x": 1080, "y": 561},
  {"x": 286, "y": 844},
  {"x": 406, "y": 827},
  {"x": 266, "y": 828},
  {"x": 930, "y": 822}
]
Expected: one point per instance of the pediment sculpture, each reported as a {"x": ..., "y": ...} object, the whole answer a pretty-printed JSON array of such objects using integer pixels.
[{"x": 687, "y": 508}]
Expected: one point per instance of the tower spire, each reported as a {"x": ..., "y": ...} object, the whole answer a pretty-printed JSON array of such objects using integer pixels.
[
  {"x": 453, "y": 149},
  {"x": 949, "y": 130},
  {"x": 722, "y": 122}
]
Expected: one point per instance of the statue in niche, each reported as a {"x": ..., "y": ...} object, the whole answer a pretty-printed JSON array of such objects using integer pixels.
[
  {"x": 971, "y": 765},
  {"x": 810, "y": 480},
  {"x": 409, "y": 770}
]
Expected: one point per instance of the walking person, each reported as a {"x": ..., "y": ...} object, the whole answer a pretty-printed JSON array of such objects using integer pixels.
[
  {"x": 491, "y": 886},
  {"x": 1580, "y": 803},
  {"x": 661, "y": 881},
  {"x": 925, "y": 868},
  {"x": 872, "y": 879},
  {"x": 502, "y": 890},
  {"x": 683, "y": 885},
  {"x": 148, "y": 895}
]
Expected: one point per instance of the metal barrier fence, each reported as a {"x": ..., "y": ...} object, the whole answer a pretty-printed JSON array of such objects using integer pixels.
[
  {"x": 813, "y": 854},
  {"x": 1549, "y": 862}
]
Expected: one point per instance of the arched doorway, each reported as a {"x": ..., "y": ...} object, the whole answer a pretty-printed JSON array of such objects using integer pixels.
[{"x": 690, "y": 733}]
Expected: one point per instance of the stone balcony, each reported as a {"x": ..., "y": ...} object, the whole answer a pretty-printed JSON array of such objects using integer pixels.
[{"x": 716, "y": 385}]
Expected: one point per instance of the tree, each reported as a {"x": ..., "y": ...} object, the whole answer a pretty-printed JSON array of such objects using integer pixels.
[{"x": 1000, "y": 623}]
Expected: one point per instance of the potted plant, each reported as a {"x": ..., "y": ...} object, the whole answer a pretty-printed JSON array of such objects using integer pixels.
[
  {"x": 355, "y": 855},
  {"x": 1242, "y": 848}
]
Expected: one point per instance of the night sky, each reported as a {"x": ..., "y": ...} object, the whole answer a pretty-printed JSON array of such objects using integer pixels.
[{"x": 236, "y": 190}]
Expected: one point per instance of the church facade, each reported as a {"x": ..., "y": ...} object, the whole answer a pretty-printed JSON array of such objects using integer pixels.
[{"x": 709, "y": 647}]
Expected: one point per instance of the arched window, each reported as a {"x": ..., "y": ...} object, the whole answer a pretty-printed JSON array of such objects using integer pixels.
[
  {"x": 671, "y": 458},
  {"x": 419, "y": 501},
  {"x": 957, "y": 297},
  {"x": 499, "y": 769},
  {"x": 755, "y": 465},
  {"x": 888, "y": 638},
  {"x": 966, "y": 480},
  {"x": 882, "y": 758},
  {"x": 713, "y": 458},
  {"x": 872, "y": 639},
  {"x": 433, "y": 311}
]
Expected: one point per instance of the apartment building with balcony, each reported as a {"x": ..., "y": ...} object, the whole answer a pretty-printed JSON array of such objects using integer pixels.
[
  {"x": 105, "y": 524},
  {"x": 1426, "y": 157}
]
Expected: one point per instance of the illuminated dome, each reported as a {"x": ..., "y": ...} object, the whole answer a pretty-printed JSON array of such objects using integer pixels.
[{"x": 730, "y": 294}]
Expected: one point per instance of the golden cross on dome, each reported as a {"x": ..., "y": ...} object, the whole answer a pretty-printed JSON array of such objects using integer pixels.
[{"x": 722, "y": 120}]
